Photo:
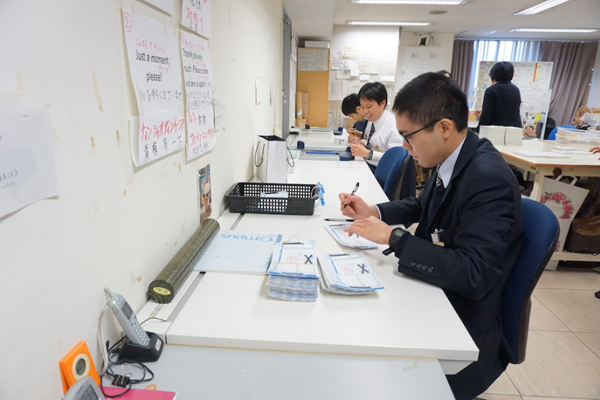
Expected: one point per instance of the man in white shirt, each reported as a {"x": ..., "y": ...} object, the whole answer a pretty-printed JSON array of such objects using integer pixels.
[{"x": 383, "y": 133}]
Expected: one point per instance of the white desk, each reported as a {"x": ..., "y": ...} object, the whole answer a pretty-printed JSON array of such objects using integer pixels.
[
  {"x": 225, "y": 374},
  {"x": 575, "y": 165},
  {"x": 409, "y": 319}
]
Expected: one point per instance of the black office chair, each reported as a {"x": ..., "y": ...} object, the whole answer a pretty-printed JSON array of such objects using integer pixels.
[
  {"x": 541, "y": 231},
  {"x": 392, "y": 170}
]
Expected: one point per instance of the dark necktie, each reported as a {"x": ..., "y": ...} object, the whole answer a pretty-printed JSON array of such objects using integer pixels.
[
  {"x": 371, "y": 134},
  {"x": 436, "y": 198}
]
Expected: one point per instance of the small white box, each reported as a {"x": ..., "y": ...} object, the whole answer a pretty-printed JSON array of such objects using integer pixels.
[
  {"x": 315, "y": 44},
  {"x": 513, "y": 136},
  {"x": 494, "y": 134}
]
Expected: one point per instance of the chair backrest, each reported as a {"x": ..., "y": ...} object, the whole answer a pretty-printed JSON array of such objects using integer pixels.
[
  {"x": 389, "y": 168},
  {"x": 552, "y": 135},
  {"x": 406, "y": 183},
  {"x": 541, "y": 229}
]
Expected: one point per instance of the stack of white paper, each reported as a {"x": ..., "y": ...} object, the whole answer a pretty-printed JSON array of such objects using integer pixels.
[
  {"x": 355, "y": 241},
  {"x": 293, "y": 274},
  {"x": 348, "y": 274}
]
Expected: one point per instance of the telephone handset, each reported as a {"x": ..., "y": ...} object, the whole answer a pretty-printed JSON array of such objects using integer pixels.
[
  {"x": 84, "y": 389},
  {"x": 127, "y": 319}
]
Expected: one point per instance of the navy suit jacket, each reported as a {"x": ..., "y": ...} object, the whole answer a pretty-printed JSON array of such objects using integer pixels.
[
  {"x": 479, "y": 220},
  {"x": 361, "y": 125},
  {"x": 501, "y": 105}
]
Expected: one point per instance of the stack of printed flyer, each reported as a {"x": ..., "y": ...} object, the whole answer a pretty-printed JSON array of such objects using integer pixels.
[
  {"x": 348, "y": 274},
  {"x": 293, "y": 273}
]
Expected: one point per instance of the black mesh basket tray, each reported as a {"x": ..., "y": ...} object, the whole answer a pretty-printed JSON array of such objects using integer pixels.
[{"x": 254, "y": 197}]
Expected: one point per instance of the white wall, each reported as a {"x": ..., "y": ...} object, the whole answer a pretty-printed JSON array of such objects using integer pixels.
[
  {"x": 442, "y": 41},
  {"x": 113, "y": 224},
  {"x": 374, "y": 42}
]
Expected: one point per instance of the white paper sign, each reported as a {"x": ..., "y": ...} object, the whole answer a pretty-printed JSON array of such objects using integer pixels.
[
  {"x": 197, "y": 74},
  {"x": 27, "y": 165},
  {"x": 195, "y": 15},
  {"x": 156, "y": 76}
]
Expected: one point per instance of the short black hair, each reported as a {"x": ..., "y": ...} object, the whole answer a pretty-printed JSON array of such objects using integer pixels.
[
  {"x": 502, "y": 71},
  {"x": 430, "y": 97},
  {"x": 350, "y": 103},
  {"x": 374, "y": 91}
]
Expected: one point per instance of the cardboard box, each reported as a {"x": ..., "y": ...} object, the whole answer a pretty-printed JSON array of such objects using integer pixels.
[
  {"x": 513, "y": 136},
  {"x": 494, "y": 134},
  {"x": 301, "y": 105}
]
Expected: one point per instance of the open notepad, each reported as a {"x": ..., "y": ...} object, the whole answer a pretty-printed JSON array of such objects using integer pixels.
[
  {"x": 355, "y": 241},
  {"x": 348, "y": 274}
]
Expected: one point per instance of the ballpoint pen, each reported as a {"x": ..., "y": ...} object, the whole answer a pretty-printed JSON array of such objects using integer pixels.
[
  {"x": 353, "y": 191},
  {"x": 340, "y": 219}
]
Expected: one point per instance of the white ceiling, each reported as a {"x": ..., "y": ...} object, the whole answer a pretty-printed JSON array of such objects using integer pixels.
[{"x": 314, "y": 19}]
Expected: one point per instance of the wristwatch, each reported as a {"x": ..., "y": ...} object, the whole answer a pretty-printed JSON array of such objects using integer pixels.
[
  {"x": 394, "y": 237},
  {"x": 369, "y": 156}
]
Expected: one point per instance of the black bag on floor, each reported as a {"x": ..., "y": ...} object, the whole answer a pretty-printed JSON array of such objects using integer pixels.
[{"x": 584, "y": 236}]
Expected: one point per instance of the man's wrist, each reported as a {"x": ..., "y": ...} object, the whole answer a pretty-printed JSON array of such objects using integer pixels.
[
  {"x": 369, "y": 156},
  {"x": 395, "y": 236}
]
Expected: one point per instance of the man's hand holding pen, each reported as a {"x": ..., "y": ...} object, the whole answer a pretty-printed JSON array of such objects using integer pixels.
[{"x": 367, "y": 223}]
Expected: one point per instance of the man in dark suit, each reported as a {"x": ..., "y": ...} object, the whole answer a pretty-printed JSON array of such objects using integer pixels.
[
  {"x": 469, "y": 215},
  {"x": 501, "y": 101}
]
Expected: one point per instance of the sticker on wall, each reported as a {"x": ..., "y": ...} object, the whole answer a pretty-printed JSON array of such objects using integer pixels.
[{"x": 204, "y": 195}]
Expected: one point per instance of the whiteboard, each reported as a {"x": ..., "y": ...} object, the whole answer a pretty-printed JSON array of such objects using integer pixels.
[
  {"x": 313, "y": 59},
  {"x": 532, "y": 79}
]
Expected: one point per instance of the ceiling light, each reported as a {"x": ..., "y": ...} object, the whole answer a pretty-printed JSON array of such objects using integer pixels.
[
  {"x": 418, "y": 2},
  {"x": 388, "y": 23},
  {"x": 543, "y": 6},
  {"x": 554, "y": 30}
]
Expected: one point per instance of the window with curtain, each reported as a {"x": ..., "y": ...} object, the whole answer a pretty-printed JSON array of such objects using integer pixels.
[{"x": 502, "y": 50}]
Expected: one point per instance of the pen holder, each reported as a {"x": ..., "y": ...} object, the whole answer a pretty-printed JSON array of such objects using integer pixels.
[{"x": 135, "y": 352}]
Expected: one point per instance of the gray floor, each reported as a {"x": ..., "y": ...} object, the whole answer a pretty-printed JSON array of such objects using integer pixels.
[{"x": 563, "y": 350}]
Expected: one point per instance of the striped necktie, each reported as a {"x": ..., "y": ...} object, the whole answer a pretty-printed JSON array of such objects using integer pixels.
[
  {"x": 436, "y": 198},
  {"x": 371, "y": 135}
]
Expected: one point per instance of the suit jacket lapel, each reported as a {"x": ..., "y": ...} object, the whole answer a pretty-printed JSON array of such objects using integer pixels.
[{"x": 463, "y": 159}]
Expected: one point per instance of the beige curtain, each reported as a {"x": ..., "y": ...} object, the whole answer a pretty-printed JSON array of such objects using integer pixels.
[
  {"x": 573, "y": 63},
  {"x": 462, "y": 63}
]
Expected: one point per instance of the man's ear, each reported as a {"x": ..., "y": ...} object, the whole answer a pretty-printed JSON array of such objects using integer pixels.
[{"x": 447, "y": 126}]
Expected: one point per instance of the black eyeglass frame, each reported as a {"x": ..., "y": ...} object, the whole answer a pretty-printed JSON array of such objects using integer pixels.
[{"x": 405, "y": 137}]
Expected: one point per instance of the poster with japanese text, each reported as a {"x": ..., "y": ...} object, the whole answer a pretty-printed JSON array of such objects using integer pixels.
[
  {"x": 27, "y": 163},
  {"x": 197, "y": 74},
  {"x": 195, "y": 15},
  {"x": 156, "y": 76}
]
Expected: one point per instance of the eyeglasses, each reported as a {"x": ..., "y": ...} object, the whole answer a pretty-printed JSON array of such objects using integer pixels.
[{"x": 418, "y": 130}]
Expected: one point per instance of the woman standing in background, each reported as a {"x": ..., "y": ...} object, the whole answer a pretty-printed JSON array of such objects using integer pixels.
[{"x": 501, "y": 101}]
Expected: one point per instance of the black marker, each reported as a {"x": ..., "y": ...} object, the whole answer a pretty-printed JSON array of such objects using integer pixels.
[{"x": 353, "y": 191}]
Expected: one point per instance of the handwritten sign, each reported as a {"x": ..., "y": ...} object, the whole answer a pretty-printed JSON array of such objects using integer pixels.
[
  {"x": 156, "y": 75},
  {"x": 195, "y": 15},
  {"x": 27, "y": 165},
  {"x": 197, "y": 74}
]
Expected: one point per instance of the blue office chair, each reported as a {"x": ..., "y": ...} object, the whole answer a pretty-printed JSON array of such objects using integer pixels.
[
  {"x": 552, "y": 135},
  {"x": 391, "y": 170},
  {"x": 540, "y": 236}
]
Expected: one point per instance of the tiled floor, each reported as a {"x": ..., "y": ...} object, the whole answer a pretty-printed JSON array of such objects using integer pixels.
[{"x": 563, "y": 349}]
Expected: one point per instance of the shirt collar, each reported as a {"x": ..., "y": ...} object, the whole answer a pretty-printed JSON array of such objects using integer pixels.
[
  {"x": 446, "y": 168},
  {"x": 377, "y": 124}
]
